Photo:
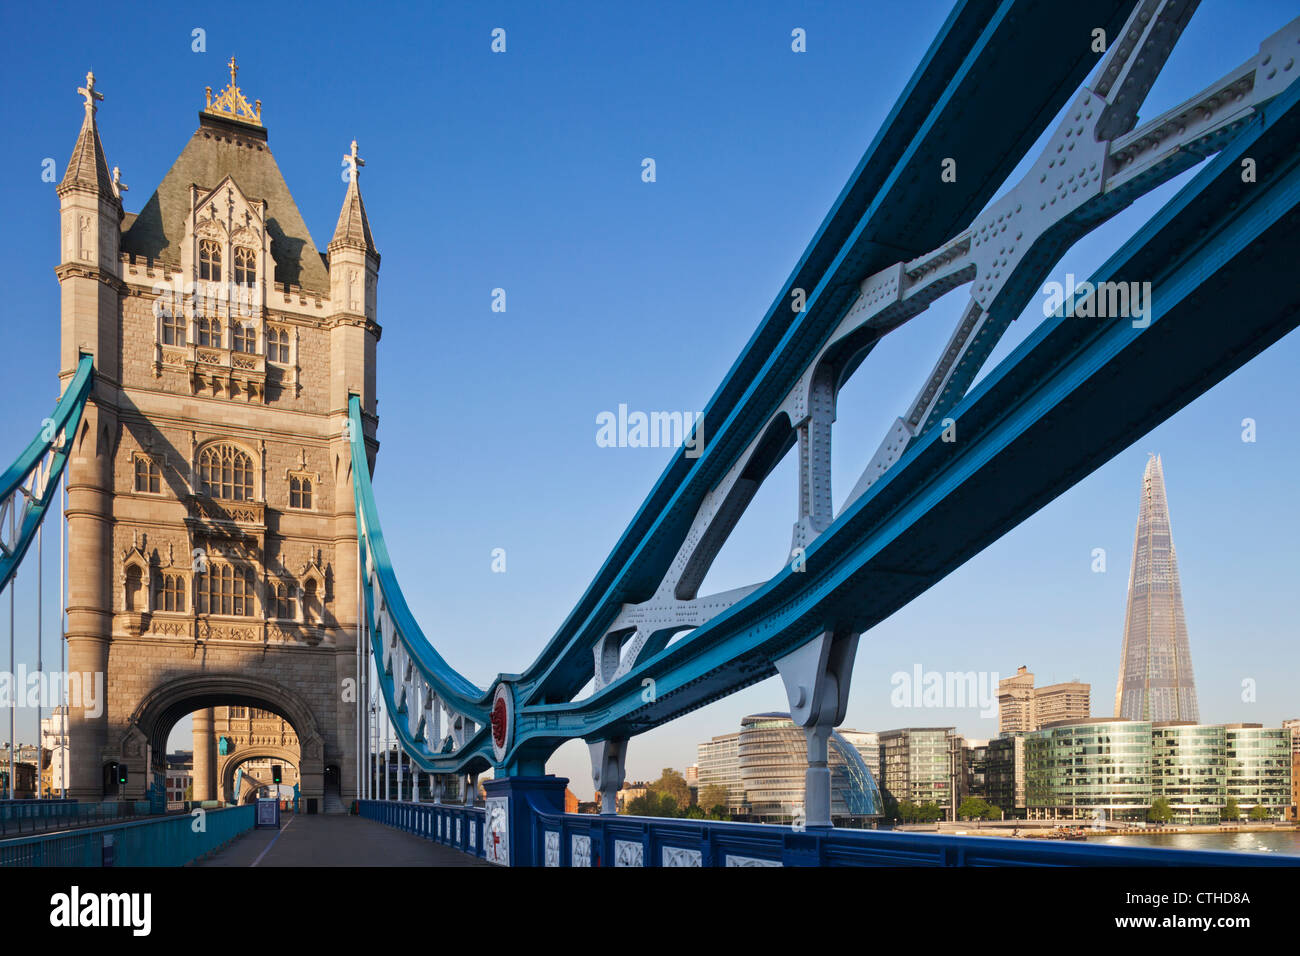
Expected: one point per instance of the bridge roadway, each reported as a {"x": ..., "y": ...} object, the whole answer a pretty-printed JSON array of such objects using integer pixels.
[{"x": 335, "y": 839}]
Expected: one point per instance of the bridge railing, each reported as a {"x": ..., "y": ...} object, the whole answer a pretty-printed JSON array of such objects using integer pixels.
[
  {"x": 576, "y": 839},
  {"x": 31, "y": 816},
  {"x": 459, "y": 827},
  {"x": 156, "y": 841}
]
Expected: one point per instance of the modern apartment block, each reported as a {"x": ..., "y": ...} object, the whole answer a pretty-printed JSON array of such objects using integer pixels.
[{"x": 1023, "y": 708}]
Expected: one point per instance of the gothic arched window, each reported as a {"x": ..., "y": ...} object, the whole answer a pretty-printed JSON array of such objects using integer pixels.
[
  {"x": 277, "y": 345},
  {"x": 226, "y": 472},
  {"x": 209, "y": 331},
  {"x": 300, "y": 492},
  {"x": 224, "y": 589},
  {"x": 147, "y": 475},
  {"x": 171, "y": 592},
  {"x": 245, "y": 266},
  {"x": 286, "y": 604},
  {"x": 244, "y": 338},
  {"x": 173, "y": 329},
  {"x": 210, "y": 260}
]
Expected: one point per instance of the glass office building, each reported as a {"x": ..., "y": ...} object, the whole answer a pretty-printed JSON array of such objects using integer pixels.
[
  {"x": 1259, "y": 767},
  {"x": 1189, "y": 769},
  {"x": 773, "y": 756},
  {"x": 719, "y": 765},
  {"x": 1089, "y": 770},
  {"x": 917, "y": 764}
]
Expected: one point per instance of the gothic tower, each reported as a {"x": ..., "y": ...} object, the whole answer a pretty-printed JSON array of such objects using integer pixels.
[
  {"x": 212, "y": 533},
  {"x": 1155, "y": 672}
]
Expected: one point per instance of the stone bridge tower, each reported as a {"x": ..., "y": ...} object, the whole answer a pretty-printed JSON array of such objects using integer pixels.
[{"x": 212, "y": 537}]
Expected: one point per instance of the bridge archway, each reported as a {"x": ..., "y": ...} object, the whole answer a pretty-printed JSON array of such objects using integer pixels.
[
  {"x": 159, "y": 711},
  {"x": 229, "y": 764}
]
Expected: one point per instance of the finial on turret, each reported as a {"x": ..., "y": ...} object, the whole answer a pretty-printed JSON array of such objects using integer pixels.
[
  {"x": 231, "y": 100},
  {"x": 90, "y": 93},
  {"x": 353, "y": 161}
]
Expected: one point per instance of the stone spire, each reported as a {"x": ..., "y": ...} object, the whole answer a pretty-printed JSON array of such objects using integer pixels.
[
  {"x": 87, "y": 170},
  {"x": 353, "y": 229}
]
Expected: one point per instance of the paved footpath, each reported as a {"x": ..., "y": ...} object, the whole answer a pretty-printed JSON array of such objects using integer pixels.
[{"x": 335, "y": 839}]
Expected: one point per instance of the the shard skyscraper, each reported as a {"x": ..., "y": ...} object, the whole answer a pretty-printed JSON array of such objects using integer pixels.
[{"x": 1155, "y": 671}]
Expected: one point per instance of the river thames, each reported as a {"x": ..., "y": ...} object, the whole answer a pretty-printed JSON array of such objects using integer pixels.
[{"x": 1281, "y": 841}]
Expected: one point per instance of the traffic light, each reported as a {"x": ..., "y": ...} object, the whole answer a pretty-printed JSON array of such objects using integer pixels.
[
  {"x": 275, "y": 773},
  {"x": 121, "y": 774}
]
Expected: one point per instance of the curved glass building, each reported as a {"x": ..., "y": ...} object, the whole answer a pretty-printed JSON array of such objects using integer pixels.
[
  {"x": 773, "y": 760},
  {"x": 1084, "y": 769}
]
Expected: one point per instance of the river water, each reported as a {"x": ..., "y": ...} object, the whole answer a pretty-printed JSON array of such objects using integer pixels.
[{"x": 1277, "y": 842}]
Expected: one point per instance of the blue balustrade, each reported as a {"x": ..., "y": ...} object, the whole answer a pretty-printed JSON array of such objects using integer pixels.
[
  {"x": 540, "y": 834},
  {"x": 459, "y": 827},
  {"x": 154, "y": 841}
]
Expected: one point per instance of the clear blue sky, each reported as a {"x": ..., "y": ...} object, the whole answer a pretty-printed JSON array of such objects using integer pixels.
[{"x": 522, "y": 171}]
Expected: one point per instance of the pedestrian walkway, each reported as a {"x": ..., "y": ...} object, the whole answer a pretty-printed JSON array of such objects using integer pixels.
[{"x": 335, "y": 840}]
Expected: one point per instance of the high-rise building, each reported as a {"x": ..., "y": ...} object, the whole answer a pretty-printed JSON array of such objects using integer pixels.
[
  {"x": 1016, "y": 702},
  {"x": 1023, "y": 708},
  {"x": 719, "y": 763},
  {"x": 1155, "y": 674}
]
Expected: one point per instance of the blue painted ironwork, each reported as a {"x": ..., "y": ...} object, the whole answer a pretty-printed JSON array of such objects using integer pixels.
[
  {"x": 157, "y": 841},
  {"x": 458, "y": 827},
  {"x": 657, "y": 842},
  {"x": 28, "y": 486}
]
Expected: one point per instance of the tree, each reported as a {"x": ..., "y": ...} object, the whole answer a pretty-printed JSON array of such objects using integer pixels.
[
  {"x": 929, "y": 812},
  {"x": 694, "y": 812},
  {"x": 673, "y": 784},
  {"x": 973, "y": 808},
  {"x": 1230, "y": 812},
  {"x": 1160, "y": 811},
  {"x": 714, "y": 795},
  {"x": 1259, "y": 812},
  {"x": 992, "y": 812},
  {"x": 719, "y": 812}
]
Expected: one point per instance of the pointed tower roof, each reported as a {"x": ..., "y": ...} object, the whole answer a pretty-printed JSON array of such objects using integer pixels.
[
  {"x": 87, "y": 168},
  {"x": 1156, "y": 681},
  {"x": 230, "y": 141},
  {"x": 353, "y": 229}
]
